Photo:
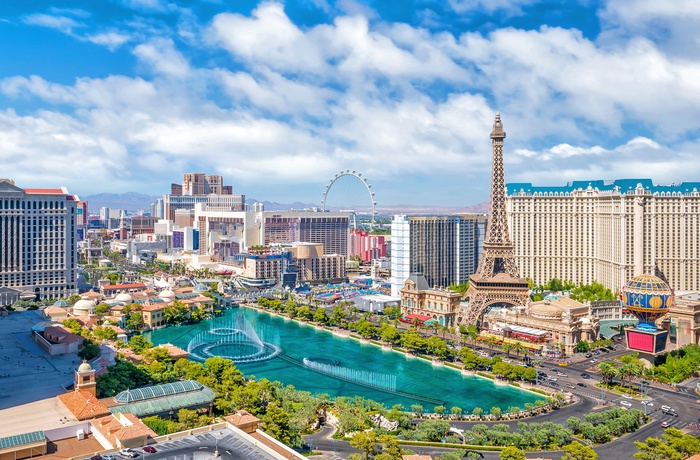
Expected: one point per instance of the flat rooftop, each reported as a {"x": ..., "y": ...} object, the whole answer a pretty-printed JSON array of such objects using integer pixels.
[{"x": 46, "y": 414}]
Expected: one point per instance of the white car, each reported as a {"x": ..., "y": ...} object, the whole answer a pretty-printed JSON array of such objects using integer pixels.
[
  {"x": 561, "y": 374},
  {"x": 626, "y": 403},
  {"x": 552, "y": 378},
  {"x": 648, "y": 403},
  {"x": 627, "y": 396}
]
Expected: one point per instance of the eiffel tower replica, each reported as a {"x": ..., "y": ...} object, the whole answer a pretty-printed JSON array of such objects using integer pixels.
[{"x": 497, "y": 279}]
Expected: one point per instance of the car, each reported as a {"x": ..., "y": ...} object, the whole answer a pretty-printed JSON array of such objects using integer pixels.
[
  {"x": 665, "y": 425},
  {"x": 588, "y": 355},
  {"x": 627, "y": 396},
  {"x": 554, "y": 384},
  {"x": 551, "y": 378},
  {"x": 605, "y": 350},
  {"x": 150, "y": 449},
  {"x": 561, "y": 374},
  {"x": 594, "y": 361},
  {"x": 586, "y": 375},
  {"x": 128, "y": 453},
  {"x": 583, "y": 385},
  {"x": 108, "y": 457},
  {"x": 563, "y": 364},
  {"x": 648, "y": 403},
  {"x": 96, "y": 457},
  {"x": 596, "y": 352},
  {"x": 670, "y": 412},
  {"x": 569, "y": 385},
  {"x": 626, "y": 403},
  {"x": 666, "y": 408}
]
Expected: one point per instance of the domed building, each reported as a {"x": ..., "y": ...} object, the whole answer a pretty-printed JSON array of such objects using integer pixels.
[
  {"x": 167, "y": 295},
  {"x": 82, "y": 307},
  {"x": 648, "y": 298},
  {"x": 553, "y": 326},
  {"x": 124, "y": 298}
]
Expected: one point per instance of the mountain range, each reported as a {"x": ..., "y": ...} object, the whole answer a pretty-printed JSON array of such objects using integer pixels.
[{"x": 132, "y": 202}]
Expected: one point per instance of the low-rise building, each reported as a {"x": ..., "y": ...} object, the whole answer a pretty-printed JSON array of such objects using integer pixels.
[{"x": 418, "y": 298}]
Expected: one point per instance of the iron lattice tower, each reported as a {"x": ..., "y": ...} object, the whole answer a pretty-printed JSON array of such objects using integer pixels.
[{"x": 497, "y": 279}]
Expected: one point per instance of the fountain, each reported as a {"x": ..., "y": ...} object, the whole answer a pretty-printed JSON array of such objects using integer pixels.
[
  {"x": 235, "y": 339},
  {"x": 375, "y": 380}
]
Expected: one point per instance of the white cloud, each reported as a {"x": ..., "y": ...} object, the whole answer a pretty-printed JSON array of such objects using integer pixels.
[
  {"x": 62, "y": 23},
  {"x": 160, "y": 54},
  {"x": 111, "y": 40},
  {"x": 490, "y": 6}
]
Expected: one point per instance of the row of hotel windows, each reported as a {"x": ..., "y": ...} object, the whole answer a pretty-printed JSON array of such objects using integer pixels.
[{"x": 20, "y": 204}]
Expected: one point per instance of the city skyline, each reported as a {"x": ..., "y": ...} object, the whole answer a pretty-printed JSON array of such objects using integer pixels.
[{"x": 129, "y": 95}]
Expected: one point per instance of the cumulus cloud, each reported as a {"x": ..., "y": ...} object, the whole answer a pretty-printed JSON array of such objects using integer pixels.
[
  {"x": 262, "y": 99},
  {"x": 61, "y": 23},
  {"x": 161, "y": 56}
]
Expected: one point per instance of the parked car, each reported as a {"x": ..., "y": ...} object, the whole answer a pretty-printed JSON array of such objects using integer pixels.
[
  {"x": 583, "y": 385},
  {"x": 626, "y": 403},
  {"x": 128, "y": 453},
  {"x": 96, "y": 457},
  {"x": 596, "y": 352},
  {"x": 150, "y": 449},
  {"x": 665, "y": 425},
  {"x": 108, "y": 457},
  {"x": 588, "y": 355}
]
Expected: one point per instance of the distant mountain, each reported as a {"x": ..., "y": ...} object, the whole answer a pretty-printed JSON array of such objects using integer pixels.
[
  {"x": 275, "y": 206},
  {"x": 129, "y": 201},
  {"x": 132, "y": 202}
]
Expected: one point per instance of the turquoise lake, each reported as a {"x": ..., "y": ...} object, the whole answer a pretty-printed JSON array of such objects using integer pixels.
[{"x": 416, "y": 380}]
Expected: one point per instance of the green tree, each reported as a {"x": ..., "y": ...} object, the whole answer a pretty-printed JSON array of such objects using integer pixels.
[
  {"x": 162, "y": 426},
  {"x": 478, "y": 411},
  {"x": 90, "y": 350},
  {"x": 608, "y": 371},
  {"x": 437, "y": 347},
  {"x": 439, "y": 410},
  {"x": 456, "y": 411},
  {"x": 389, "y": 333},
  {"x": 102, "y": 309},
  {"x": 121, "y": 376},
  {"x": 577, "y": 451},
  {"x": 364, "y": 441},
  {"x": 104, "y": 333},
  {"x": 176, "y": 313},
  {"x": 135, "y": 321},
  {"x": 417, "y": 409},
  {"x": 496, "y": 412},
  {"x": 275, "y": 422},
  {"x": 366, "y": 329},
  {"x": 156, "y": 354},
  {"x": 392, "y": 312},
  {"x": 304, "y": 312},
  {"x": 583, "y": 346},
  {"x": 338, "y": 316},
  {"x": 320, "y": 316},
  {"x": 138, "y": 343},
  {"x": 73, "y": 299},
  {"x": 512, "y": 453},
  {"x": 412, "y": 340}
]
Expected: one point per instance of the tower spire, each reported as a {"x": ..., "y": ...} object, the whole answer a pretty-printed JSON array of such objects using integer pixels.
[{"x": 497, "y": 278}]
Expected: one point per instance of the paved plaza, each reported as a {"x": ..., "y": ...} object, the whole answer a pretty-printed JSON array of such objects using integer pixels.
[{"x": 27, "y": 372}]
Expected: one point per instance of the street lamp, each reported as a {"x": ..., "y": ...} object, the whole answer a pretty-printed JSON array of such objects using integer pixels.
[{"x": 216, "y": 449}]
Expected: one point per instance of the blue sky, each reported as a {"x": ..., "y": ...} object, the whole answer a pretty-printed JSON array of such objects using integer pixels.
[{"x": 126, "y": 95}]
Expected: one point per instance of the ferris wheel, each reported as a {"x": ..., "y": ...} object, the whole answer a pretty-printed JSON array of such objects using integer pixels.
[{"x": 350, "y": 192}]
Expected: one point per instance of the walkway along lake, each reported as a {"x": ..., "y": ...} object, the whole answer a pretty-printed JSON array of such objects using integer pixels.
[{"x": 319, "y": 362}]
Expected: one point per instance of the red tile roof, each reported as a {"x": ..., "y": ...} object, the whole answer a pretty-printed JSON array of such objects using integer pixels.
[
  {"x": 122, "y": 427},
  {"x": 83, "y": 405},
  {"x": 45, "y": 191},
  {"x": 124, "y": 286}
]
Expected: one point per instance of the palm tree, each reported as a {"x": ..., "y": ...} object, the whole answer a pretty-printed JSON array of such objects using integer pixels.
[
  {"x": 491, "y": 341},
  {"x": 627, "y": 370},
  {"x": 473, "y": 333},
  {"x": 519, "y": 348},
  {"x": 507, "y": 347},
  {"x": 608, "y": 371}
]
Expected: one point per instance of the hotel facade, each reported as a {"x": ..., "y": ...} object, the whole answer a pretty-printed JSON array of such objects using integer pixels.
[
  {"x": 38, "y": 240},
  {"x": 607, "y": 231}
]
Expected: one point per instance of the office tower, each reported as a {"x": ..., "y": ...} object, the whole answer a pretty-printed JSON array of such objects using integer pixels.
[
  {"x": 38, "y": 240},
  {"x": 607, "y": 231},
  {"x": 444, "y": 249},
  {"x": 497, "y": 279}
]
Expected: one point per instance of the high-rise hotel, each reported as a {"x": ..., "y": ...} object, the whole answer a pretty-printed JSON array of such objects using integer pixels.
[
  {"x": 607, "y": 231},
  {"x": 38, "y": 240}
]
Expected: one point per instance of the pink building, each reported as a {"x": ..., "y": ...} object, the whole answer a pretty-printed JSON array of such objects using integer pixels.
[{"x": 366, "y": 246}]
